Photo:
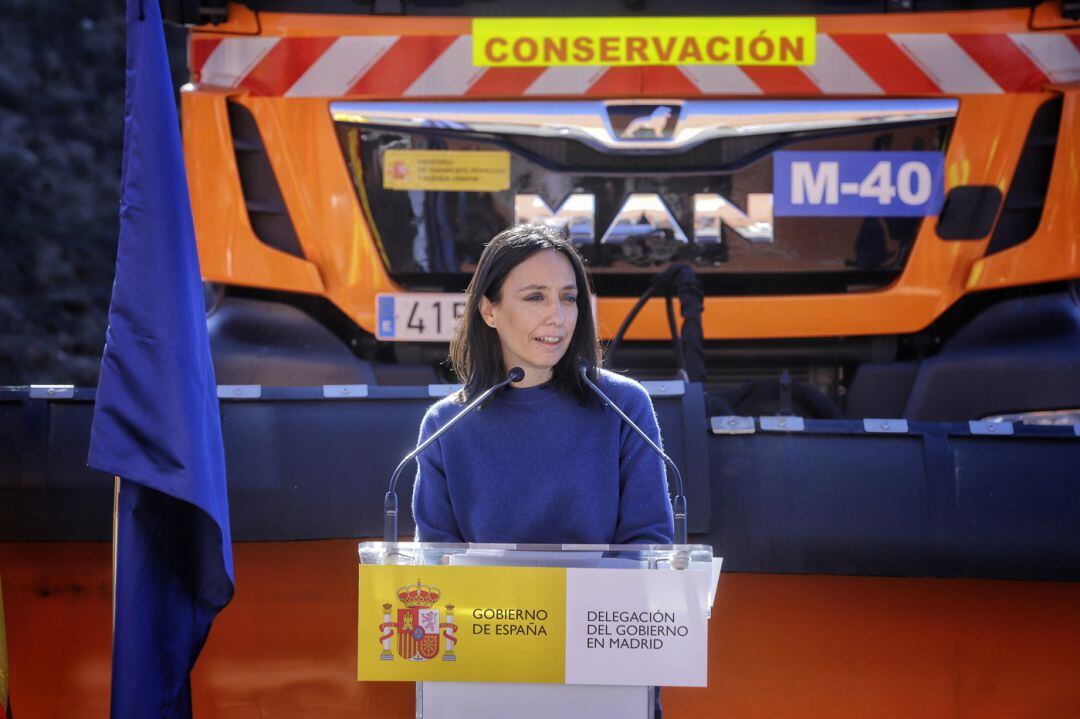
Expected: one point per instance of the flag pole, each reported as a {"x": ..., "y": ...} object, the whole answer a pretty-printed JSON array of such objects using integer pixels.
[{"x": 115, "y": 515}]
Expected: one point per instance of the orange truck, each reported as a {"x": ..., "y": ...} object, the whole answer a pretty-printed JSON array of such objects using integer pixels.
[
  {"x": 839, "y": 244},
  {"x": 347, "y": 167}
]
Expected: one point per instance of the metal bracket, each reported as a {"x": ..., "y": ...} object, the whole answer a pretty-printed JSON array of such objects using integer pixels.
[
  {"x": 731, "y": 424},
  {"x": 665, "y": 388},
  {"x": 782, "y": 424},
  {"x": 441, "y": 390},
  {"x": 990, "y": 428},
  {"x": 885, "y": 426},
  {"x": 52, "y": 391},
  {"x": 239, "y": 391},
  {"x": 344, "y": 391}
]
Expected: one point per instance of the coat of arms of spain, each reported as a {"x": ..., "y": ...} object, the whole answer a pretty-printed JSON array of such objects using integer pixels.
[{"x": 418, "y": 627}]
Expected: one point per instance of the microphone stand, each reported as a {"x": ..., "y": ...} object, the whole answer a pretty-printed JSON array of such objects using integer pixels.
[
  {"x": 678, "y": 504},
  {"x": 390, "y": 502}
]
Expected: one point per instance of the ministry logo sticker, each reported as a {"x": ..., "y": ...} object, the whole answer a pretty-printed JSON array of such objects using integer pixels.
[{"x": 419, "y": 631}]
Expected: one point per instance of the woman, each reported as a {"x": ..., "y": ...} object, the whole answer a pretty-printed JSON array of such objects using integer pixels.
[{"x": 543, "y": 461}]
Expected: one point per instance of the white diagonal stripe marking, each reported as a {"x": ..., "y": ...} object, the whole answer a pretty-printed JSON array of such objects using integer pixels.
[
  {"x": 452, "y": 73},
  {"x": 564, "y": 80},
  {"x": 339, "y": 68},
  {"x": 1055, "y": 55},
  {"x": 233, "y": 59},
  {"x": 952, "y": 69},
  {"x": 835, "y": 72},
  {"x": 720, "y": 78}
]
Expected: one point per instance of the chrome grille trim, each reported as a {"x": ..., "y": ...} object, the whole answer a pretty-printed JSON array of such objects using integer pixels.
[{"x": 589, "y": 121}]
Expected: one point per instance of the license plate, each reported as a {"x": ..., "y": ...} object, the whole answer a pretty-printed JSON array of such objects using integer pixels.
[{"x": 418, "y": 316}]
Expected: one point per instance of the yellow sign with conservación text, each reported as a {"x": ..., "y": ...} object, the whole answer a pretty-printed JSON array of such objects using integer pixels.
[
  {"x": 446, "y": 170},
  {"x": 615, "y": 42}
]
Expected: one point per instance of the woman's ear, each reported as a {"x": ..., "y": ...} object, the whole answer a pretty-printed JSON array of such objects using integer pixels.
[{"x": 487, "y": 312}]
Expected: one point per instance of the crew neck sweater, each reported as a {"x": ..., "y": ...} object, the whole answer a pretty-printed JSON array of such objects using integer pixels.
[{"x": 534, "y": 465}]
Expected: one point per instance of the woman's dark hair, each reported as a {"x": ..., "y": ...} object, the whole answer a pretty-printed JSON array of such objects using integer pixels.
[{"x": 475, "y": 351}]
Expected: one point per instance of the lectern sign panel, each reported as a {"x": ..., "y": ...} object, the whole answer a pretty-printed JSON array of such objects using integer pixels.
[
  {"x": 531, "y": 624},
  {"x": 636, "y": 626},
  {"x": 461, "y": 623}
]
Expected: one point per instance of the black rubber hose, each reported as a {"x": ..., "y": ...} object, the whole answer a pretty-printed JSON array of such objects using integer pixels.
[
  {"x": 691, "y": 306},
  {"x": 630, "y": 316},
  {"x": 669, "y": 303}
]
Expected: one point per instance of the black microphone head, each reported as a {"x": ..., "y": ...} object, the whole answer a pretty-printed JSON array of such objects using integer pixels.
[{"x": 516, "y": 374}]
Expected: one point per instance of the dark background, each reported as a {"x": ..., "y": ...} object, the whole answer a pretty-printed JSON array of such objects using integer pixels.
[{"x": 61, "y": 136}]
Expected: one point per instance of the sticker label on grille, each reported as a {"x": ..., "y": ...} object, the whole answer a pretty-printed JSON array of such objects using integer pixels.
[{"x": 450, "y": 170}]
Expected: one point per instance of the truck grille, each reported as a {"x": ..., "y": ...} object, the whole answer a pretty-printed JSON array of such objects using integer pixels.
[{"x": 640, "y": 197}]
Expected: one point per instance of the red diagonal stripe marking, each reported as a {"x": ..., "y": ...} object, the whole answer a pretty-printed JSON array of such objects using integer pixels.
[
  {"x": 398, "y": 68},
  {"x": 887, "y": 64},
  {"x": 617, "y": 81},
  {"x": 284, "y": 64},
  {"x": 668, "y": 81},
  {"x": 199, "y": 51},
  {"x": 1075, "y": 39},
  {"x": 505, "y": 81},
  {"x": 1004, "y": 61},
  {"x": 781, "y": 80}
]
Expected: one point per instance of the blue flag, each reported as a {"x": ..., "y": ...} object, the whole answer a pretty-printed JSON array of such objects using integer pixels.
[{"x": 156, "y": 422}]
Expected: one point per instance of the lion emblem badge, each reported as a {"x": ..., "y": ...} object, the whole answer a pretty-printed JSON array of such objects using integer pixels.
[{"x": 642, "y": 122}]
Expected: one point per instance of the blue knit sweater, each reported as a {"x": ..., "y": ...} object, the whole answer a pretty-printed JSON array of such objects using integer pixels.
[{"x": 535, "y": 466}]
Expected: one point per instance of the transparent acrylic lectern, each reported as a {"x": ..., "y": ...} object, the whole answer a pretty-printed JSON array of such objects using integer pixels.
[{"x": 535, "y": 630}]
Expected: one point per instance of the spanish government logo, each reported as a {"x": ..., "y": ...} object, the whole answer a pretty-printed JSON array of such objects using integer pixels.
[{"x": 418, "y": 627}]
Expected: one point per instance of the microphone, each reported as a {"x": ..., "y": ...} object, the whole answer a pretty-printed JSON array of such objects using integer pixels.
[
  {"x": 390, "y": 503},
  {"x": 678, "y": 504}
]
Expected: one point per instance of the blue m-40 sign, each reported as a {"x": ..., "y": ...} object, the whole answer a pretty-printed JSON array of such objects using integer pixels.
[{"x": 858, "y": 184}]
